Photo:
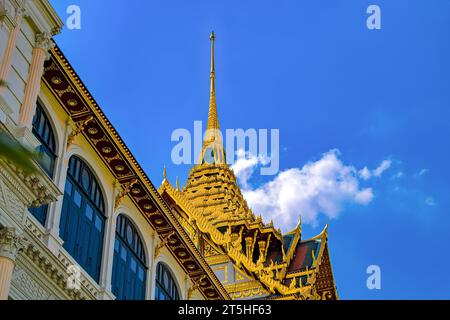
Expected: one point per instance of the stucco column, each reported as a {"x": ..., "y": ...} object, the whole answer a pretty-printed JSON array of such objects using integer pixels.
[
  {"x": 10, "y": 245},
  {"x": 40, "y": 54},
  {"x": 5, "y": 66}
]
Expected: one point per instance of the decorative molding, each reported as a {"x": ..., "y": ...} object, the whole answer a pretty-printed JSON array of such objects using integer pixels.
[
  {"x": 12, "y": 205},
  {"x": 125, "y": 191},
  {"x": 78, "y": 130},
  {"x": 195, "y": 286},
  {"x": 29, "y": 287},
  {"x": 11, "y": 243},
  {"x": 43, "y": 41},
  {"x": 162, "y": 244},
  {"x": 29, "y": 190}
]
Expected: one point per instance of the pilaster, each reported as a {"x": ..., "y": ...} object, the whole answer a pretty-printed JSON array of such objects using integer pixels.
[
  {"x": 6, "y": 63},
  {"x": 43, "y": 43},
  {"x": 11, "y": 243}
]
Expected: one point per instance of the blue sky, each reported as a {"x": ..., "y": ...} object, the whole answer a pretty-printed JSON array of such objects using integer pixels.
[{"x": 313, "y": 70}]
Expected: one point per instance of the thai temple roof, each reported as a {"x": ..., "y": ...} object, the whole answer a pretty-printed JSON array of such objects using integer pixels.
[{"x": 211, "y": 207}]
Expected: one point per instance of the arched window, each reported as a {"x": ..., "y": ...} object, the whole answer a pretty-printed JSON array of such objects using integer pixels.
[
  {"x": 82, "y": 217},
  {"x": 128, "y": 277},
  {"x": 166, "y": 288},
  {"x": 47, "y": 151},
  {"x": 44, "y": 132}
]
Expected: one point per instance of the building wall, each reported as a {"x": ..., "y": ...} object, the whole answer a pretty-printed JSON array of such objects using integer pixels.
[{"x": 41, "y": 270}]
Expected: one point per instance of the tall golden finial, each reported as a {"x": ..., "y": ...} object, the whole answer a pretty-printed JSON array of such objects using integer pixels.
[
  {"x": 212, "y": 37},
  {"x": 213, "y": 121},
  {"x": 212, "y": 151}
]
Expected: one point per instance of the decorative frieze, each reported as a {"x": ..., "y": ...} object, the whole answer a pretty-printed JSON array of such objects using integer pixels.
[
  {"x": 29, "y": 287},
  {"x": 11, "y": 202}
]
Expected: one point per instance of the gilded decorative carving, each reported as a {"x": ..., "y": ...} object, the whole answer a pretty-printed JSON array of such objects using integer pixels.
[
  {"x": 195, "y": 286},
  {"x": 251, "y": 293},
  {"x": 271, "y": 280},
  {"x": 162, "y": 244},
  {"x": 125, "y": 191},
  {"x": 61, "y": 92},
  {"x": 208, "y": 250},
  {"x": 78, "y": 130}
]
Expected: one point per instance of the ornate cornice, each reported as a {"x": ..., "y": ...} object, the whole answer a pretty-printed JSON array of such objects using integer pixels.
[{"x": 33, "y": 189}]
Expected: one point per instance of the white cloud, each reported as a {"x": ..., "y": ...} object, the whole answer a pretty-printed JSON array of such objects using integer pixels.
[
  {"x": 423, "y": 171},
  {"x": 366, "y": 174},
  {"x": 321, "y": 187},
  {"x": 243, "y": 168},
  {"x": 385, "y": 165}
]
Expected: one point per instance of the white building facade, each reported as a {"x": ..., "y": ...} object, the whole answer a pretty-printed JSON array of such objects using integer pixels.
[{"x": 41, "y": 257}]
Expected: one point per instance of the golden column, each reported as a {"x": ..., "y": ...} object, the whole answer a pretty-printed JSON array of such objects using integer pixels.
[
  {"x": 10, "y": 245},
  {"x": 40, "y": 54},
  {"x": 5, "y": 67}
]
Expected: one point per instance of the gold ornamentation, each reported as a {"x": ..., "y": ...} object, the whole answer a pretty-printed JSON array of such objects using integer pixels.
[
  {"x": 93, "y": 131},
  {"x": 56, "y": 80},
  {"x": 162, "y": 244},
  {"x": 77, "y": 131},
  {"x": 195, "y": 286},
  {"x": 106, "y": 150},
  {"x": 72, "y": 102},
  {"x": 125, "y": 191},
  {"x": 69, "y": 89}
]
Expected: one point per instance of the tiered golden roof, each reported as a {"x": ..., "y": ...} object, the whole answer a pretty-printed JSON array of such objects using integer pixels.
[{"x": 215, "y": 214}]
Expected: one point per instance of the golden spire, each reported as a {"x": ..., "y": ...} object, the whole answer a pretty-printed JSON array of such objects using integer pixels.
[
  {"x": 212, "y": 151},
  {"x": 213, "y": 121}
]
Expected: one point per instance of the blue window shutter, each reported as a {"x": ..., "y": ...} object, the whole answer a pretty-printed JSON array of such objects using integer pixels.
[
  {"x": 64, "y": 214},
  {"x": 129, "y": 262},
  {"x": 71, "y": 232},
  {"x": 82, "y": 221}
]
